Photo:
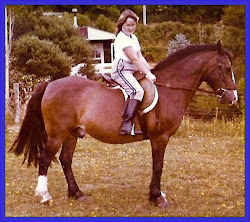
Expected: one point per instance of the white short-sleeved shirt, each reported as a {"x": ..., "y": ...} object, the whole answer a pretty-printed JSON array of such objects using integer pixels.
[{"x": 122, "y": 41}]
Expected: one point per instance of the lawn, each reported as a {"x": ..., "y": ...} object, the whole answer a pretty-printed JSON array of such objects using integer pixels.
[{"x": 203, "y": 176}]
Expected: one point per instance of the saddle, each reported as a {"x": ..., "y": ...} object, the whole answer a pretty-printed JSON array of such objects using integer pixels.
[{"x": 150, "y": 98}]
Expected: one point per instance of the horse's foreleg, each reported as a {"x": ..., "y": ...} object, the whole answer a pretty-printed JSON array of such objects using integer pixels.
[
  {"x": 46, "y": 156},
  {"x": 65, "y": 158},
  {"x": 158, "y": 149}
]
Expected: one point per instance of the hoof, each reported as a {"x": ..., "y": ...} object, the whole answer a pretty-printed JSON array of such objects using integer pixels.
[
  {"x": 47, "y": 202},
  {"x": 78, "y": 195},
  {"x": 161, "y": 201},
  {"x": 82, "y": 198},
  {"x": 46, "y": 198}
]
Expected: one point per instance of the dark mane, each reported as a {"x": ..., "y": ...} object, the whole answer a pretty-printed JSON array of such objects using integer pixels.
[{"x": 182, "y": 53}]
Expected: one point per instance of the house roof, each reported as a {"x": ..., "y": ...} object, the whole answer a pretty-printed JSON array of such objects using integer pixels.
[{"x": 91, "y": 33}]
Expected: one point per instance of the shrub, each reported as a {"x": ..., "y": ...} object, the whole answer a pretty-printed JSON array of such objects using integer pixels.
[
  {"x": 180, "y": 42},
  {"x": 62, "y": 33},
  {"x": 78, "y": 48},
  {"x": 154, "y": 53},
  {"x": 241, "y": 92},
  {"x": 40, "y": 57},
  {"x": 104, "y": 23},
  {"x": 83, "y": 20},
  {"x": 234, "y": 16},
  {"x": 234, "y": 40}
]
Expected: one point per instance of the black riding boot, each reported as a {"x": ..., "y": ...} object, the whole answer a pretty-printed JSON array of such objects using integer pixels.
[{"x": 129, "y": 113}]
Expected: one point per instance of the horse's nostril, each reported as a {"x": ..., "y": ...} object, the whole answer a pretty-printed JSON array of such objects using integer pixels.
[{"x": 234, "y": 100}]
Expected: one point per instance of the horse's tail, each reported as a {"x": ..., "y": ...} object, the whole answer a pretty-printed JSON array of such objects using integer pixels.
[{"x": 32, "y": 136}]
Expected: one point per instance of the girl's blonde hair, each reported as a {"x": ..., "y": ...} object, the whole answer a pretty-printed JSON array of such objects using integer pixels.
[{"x": 123, "y": 18}]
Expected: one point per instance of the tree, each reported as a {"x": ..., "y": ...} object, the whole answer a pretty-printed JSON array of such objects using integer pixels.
[
  {"x": 234, "y": 16},
  {"x": 82, "y": 20},
  {"x": 9, "y": 24},
  {"x": 46, "y": 31},
  {"x": 25, "y": 21},
  {"x": 40, "y": 57},
  {"x": 93, "y": 11},
  {"x": 104, "y": 23},
  {"x": 62, "y": 33},
  {"x": 185, "y": 13},
  {"x": 180, "y": 42}
]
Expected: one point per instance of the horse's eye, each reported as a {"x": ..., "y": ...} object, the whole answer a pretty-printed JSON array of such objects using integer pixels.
[{"x": 228, "y": 69}]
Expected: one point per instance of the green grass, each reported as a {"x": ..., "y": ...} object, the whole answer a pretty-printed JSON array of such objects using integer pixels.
[{"x": 203, "y": 176}]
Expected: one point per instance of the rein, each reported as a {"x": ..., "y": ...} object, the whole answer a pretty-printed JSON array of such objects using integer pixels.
[{"x": 188, "y": 89}]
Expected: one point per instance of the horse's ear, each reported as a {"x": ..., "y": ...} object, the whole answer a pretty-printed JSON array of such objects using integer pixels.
[{"x": 219, "y": 47}]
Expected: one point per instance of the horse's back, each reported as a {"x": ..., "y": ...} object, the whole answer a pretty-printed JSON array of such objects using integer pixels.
[
  {"x": 71, "y": 95},
  {"x": 68, "y": 84}
]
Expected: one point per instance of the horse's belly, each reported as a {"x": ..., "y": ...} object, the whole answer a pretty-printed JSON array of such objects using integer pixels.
[
  {"x": 115, "y": 138},
  {"x": 106, "y": 128}
]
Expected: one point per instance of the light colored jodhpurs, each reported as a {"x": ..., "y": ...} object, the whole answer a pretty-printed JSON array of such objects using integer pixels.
[{"x": 122, "y": 73}]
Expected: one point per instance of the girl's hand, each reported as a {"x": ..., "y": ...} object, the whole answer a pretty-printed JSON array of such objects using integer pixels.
[{"x": 150, "y": 76}]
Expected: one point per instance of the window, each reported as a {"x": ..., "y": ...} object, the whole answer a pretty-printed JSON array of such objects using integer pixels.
[{"x": 98, "y": 54}]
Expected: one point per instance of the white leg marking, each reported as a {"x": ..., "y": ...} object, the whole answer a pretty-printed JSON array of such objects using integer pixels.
[
  {"x": 163, "y": 195},
  {"x": 42, "y": 189}
]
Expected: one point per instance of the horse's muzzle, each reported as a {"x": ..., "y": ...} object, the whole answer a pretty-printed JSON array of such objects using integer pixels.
[{"x": 227, "y": 96}]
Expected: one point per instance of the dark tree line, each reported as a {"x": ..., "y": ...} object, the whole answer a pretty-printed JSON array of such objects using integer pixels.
[{"x": 155, "y": 13}]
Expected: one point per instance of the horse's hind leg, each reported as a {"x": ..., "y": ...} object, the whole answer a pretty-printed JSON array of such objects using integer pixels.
[
  {"x": 65, "y": 158},
  {"x": 47, "y": 154}
]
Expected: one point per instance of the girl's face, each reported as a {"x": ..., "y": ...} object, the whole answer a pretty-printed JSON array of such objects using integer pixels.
[{"x": 129, "y": 26}]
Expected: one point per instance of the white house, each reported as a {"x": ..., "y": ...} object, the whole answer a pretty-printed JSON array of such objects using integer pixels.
[
  {"x": 101, "y": 42},
  {"x": 102, "y": 45}
]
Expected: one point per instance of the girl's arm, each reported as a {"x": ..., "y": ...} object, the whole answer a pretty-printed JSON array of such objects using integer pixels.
[
  {"x": 139, "y": 54},
  {"x": 140, "y": 62}
]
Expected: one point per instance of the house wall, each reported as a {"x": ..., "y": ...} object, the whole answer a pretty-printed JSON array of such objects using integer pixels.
[
  {"x": 102, "y": 51},
  {"x": 98, "y": 51}
]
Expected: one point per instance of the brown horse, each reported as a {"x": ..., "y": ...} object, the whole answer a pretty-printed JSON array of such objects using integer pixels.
[{"x": 61, "y": 111}]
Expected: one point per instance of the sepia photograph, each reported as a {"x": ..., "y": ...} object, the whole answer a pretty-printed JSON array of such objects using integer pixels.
[{"x": 123, "y": 111}]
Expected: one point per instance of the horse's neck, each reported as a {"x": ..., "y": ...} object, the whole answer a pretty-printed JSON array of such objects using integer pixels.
[
  {"x": 188, "y": 72},
  {"x": 184, "y": 77}
]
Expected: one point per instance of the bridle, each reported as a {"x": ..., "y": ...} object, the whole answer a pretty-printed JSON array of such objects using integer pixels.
[{"x": 219, "y": 92}]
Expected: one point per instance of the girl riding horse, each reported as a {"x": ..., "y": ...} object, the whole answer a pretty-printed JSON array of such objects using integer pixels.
[{"x": 128, "y": 60}]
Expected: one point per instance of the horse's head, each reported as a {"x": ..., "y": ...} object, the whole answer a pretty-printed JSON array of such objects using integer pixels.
[{"x": 221, "y": 77}]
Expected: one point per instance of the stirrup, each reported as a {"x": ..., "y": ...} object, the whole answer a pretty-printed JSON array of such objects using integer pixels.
[{"x": 135, "y": 132}]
